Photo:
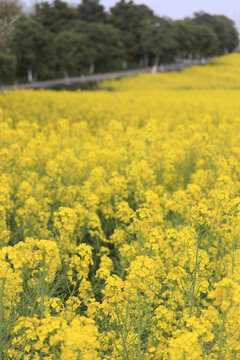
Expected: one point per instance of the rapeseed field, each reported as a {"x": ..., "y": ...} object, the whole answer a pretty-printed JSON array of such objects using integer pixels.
[{"x": 120, "y": 219}]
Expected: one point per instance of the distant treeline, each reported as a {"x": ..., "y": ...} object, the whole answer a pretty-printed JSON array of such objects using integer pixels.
[{"x": 58, "y": 38}]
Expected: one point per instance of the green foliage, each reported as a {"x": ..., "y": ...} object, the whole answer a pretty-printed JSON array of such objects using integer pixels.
[
  {"x": 104, "y": 43},
  {"x": 224, "y": 29},
  {"x": 205, "y": 41},
  {"x": 91, "y": 11},
  {"x": 129, "y": 18},
  {"x": 7, "y": 68},
  {"x": 185, "y": 36},
  {"x": 32, "y": 46},
  {"x": 159, "y": 38},
  {"x": 53, "y": 16},
  {"x": 72, "y": 50}
]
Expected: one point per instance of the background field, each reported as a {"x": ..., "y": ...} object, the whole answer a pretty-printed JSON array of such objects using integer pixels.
[{"x": 120, "y": 219}]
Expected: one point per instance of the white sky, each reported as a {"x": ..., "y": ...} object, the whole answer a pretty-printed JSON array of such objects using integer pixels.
[{"x": 178, "y": 9}]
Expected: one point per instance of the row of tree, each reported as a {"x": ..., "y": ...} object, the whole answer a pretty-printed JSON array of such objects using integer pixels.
[{"x": 57, "y": 38}]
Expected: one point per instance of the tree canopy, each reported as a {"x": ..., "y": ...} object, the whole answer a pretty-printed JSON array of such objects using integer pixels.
[
  {"x": 129, "y": 18},
  {"x": 32, "y": 47},
  {"x": 159, "y": 39},
  {"x": 91, "y": 11},
  {"x": 224, "y": 29}
]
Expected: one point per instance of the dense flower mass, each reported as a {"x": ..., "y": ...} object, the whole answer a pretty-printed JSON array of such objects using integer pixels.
[{"x": 120, "y": 219}]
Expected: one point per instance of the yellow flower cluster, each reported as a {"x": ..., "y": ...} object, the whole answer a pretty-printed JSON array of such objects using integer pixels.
[{"x": 120, "y": 219}]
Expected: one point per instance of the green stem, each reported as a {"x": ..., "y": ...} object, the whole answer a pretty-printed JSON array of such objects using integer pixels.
[
  {"x": 222, "y": 338},
  {"x": 194, "y": 281},
  {"x": 1, "y": 319},
  {"x": 139, "y": 329}
]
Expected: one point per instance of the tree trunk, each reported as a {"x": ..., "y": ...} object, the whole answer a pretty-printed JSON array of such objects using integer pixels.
[
  {"x": 146, "y": 60},
  {"x": 30, "y": 77},
  {"x": 155, "y": 66},
  {"x": 65, "y": 74},
  {"x": 124, "y": 64},
  {"x": 91, "y": 69}
]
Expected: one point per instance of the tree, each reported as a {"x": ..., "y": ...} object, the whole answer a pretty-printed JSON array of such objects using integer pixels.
[
  {"x": 104, "y": 39},
  {"x": 10, "y": 11},
  {"x": 224, "y": 29},
  {"x": 91, "y": 11},
  {"x": 186, "y": 37},
  {"x": 130, "y": 18},
  {"x": 54, "y": 16},
  {"x": 32, "y": 47},
  {"x": 159, "y": 39},
  {"x": 206, "y": 42},
  {"x": 228, "y": 37},
  {"x": 72, "y": 52},
  {"x": 195, "y": 40}
]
